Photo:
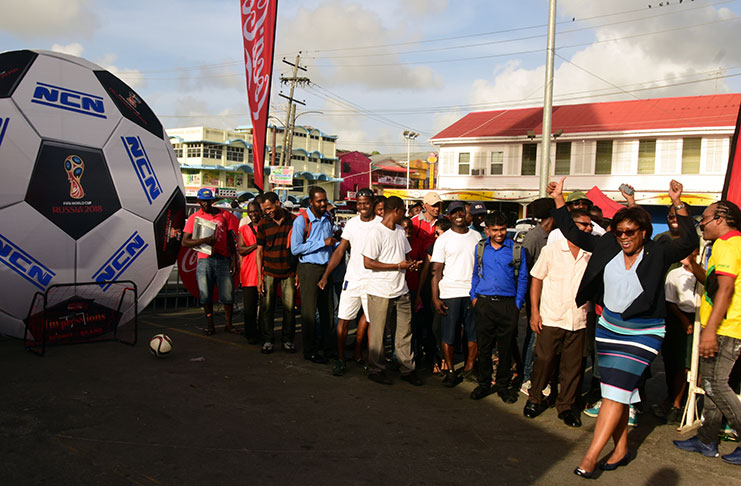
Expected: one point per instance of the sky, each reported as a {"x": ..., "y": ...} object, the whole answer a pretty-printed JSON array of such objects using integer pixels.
[{"x": 378, "y": 68}]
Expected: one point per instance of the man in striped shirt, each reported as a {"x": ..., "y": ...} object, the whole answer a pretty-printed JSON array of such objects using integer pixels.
[{"x": 276, "y": 266}]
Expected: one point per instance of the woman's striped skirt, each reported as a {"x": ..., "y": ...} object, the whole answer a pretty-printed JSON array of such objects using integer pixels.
[{"x": 624, "y": 350}]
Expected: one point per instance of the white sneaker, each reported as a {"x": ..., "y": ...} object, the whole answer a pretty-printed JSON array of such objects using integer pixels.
[
  {"x": 525, "y": 388},
  {"x": 633, "y": 417},
  {"x": 547, "y": 391}
]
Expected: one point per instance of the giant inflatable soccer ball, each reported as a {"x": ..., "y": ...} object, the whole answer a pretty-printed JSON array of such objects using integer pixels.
[{"x": 90, "y": 189}]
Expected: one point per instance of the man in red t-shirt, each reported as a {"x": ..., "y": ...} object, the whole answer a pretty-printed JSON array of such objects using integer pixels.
[
  {"x": 217, "y": 259},
  {"x": 247, "y": 246},
  {"x": 424, "y": 222}
]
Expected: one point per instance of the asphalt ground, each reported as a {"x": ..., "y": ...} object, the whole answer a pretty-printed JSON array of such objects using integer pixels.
[{"x": 216, "y": 411}]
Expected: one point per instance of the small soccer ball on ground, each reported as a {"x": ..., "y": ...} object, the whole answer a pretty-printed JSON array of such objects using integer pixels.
[{"x": 160, "y": 345}]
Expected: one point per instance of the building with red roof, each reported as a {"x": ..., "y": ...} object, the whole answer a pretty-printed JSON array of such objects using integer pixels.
[{"x": 645, "y": 143}]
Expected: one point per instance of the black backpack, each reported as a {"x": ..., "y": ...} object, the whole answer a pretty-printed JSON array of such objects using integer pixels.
[{"x": 516, "y": 257}]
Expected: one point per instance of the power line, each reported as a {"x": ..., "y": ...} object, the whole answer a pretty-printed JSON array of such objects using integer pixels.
[{"x": 516, "y": 39}]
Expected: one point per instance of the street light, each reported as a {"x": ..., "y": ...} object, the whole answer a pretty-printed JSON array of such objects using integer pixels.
[{"x": 409, "y": 135}]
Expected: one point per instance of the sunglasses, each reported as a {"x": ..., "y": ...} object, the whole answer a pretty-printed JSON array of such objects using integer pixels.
[
  {"x": 705, "y": 223},
  {"x": 584, "y": 225},
  {"x": 629, "y": 233}
]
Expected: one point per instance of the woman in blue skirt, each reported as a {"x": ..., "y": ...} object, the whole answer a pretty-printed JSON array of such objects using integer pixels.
[{"x": 625, "y": 275}]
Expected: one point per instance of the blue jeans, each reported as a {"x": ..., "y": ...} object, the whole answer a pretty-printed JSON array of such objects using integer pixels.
[
  {"x": 214, "y": 270},
  {"x": 460, "y": 312},
  {"x": 720, "y": 399}
]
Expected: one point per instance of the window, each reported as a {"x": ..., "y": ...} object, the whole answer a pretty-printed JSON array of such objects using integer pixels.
[
  {"x": 691, "y": 155},
  {"x": 314, "y": 137},
  {"x": 298, "y": 157},
  {"x": 646, "y": 156},
  {"x": 603, "y": 162},
  {"x": 298, "y": 185},
  {"x": 563, "y": 158},
  {"x": 346, "y": 168},
  {"x": 234, "y": 154},
  {"x": 194, "y": 150},
  {"x": 464, "y": 163},
  {"x": 212, "y": 151},
  {"x": 496, "y": 163},
  {"x": 529, "y": 154},
  {"x": 299, "y": 134},
  {"x": 178, "y": 148}
]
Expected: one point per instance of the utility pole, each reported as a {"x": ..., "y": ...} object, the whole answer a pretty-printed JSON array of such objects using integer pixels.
[
  {"x": 291, "y": 115},
  {"x": 545, "y": 161}
]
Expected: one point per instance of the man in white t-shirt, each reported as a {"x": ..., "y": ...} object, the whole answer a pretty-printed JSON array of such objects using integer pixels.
[
  {"x": 452, "y": 266},
  {"x": 386, "y": 254},
  {"x": 354, "y": 296}
]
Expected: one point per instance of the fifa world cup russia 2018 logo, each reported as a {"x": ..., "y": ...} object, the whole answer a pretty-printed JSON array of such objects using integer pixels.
[{"x": 75, "y": 167}]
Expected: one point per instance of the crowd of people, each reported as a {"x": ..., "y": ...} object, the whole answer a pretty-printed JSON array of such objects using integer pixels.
[{"x": 423, "y": 287}]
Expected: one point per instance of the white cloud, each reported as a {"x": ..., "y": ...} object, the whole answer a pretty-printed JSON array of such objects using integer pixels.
[
  {"x": 336, "y": 24},
  {"x": 132, "y": 77},
  {"x": 74, "y": 49},
  {"x": 424, "y": 7},
  {"x": 48, "y": 18},
  {"x": 628, "y": 59}
]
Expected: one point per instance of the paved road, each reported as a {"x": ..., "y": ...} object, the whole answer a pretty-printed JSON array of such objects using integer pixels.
[{"x": 107, "y": 413}]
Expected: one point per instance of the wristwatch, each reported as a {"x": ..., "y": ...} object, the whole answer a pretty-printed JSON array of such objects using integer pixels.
[{"x": 679, "y": 206}]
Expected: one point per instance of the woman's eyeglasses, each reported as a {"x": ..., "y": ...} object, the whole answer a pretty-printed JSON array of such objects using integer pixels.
[{"x": 629, "y": 233}]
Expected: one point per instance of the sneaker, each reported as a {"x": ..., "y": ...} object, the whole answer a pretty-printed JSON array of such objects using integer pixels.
[
  {"x": 696, "y": 445},
  {"x": 289, "y": 348},
  {"x": 525, "y": 388},
  {"x": 661, "y": 410},
  {"x": 338, "y": 367},
  {"x": 267, "y": 348},
  {"x": 470, "y": 375},
  {"x": 674, "y": 416},
  {"x": 380, "y": 377},
  {"x": 412, "y": 379},
  {"x": 633, "y": 417},
  {"x": 734, "y": 457},
  {"x": 594, "y": 410},
  {"x": 451, "y": 379},
  {"x": 547, "y": 391},
  {"x": 480, "y": 392}
]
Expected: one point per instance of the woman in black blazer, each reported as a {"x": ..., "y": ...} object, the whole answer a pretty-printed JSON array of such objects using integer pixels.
[{"x": 625, "y": 275}]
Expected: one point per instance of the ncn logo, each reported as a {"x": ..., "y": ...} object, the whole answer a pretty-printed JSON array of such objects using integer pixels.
[
  {"x": 67, "y": 99},
  {"x": 143, "y": 167},
  {"x": 121, "y": 259},
  {"x": 24, "y": 264}
]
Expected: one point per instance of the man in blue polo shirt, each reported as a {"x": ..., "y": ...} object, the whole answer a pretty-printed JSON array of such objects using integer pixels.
[
  {"x": 498, "y": 293},
  {"x": 312, "y": 242}
]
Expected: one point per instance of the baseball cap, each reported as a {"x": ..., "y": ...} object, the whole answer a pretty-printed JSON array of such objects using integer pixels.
[
  {"x": 432, "y": 198},
  {"x": 577, "y": 196},
  {"x": 541, "y": 208},
  {"x": 455, "y": 206},
  {"x": 288, "y": 205},
  {"x": 478, "y": 208},
  {"x": 205, "y": 195}
]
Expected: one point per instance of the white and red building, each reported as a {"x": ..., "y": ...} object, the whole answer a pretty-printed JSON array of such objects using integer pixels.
[{"x": 496, "y": 155}]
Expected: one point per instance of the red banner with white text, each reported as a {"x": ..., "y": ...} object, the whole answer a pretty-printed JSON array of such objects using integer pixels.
[
  {"x": 732, "y": 186},
  {"x": 258, "y": 34}
]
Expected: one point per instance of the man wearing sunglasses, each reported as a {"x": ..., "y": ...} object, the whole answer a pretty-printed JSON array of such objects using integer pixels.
[{"x": 720, "y": 339}]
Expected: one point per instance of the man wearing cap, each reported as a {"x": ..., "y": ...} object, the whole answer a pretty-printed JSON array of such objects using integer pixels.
[
  {"x": 218, "y": 266},
  {"x": 415, "y": 209},
  {"x": 452, "y": 260},
  {"x": 478, "y": 213},
  {"x": 424, "y": 222},
  {"x": 576, "y": 200},
  {"x": 312, "y": 241}
]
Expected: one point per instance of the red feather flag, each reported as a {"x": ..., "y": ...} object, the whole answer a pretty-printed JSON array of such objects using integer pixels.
[
  {"x": 258, "y": 33},
  {"x": 732, "y": 185}
]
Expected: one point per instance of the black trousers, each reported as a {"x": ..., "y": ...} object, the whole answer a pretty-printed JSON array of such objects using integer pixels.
[
  {"x": 496, "y": 322},
  {"x": 251, "y": 300},
  {"x": 312, "y": 299}
]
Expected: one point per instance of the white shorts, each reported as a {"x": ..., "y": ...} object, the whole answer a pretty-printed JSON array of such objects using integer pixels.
[{"x": 352, "y": 299}]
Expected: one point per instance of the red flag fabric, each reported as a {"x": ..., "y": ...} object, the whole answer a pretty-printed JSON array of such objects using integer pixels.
[
  {"x": 258, "y": 33},
  {"x": 732, "y": 185},
  {"x": 607, "y": 205}
]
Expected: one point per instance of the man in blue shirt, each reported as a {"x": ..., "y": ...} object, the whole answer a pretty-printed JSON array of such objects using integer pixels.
[
  {"x": 312, "y": 242},
  {"x": 498, "y": 293}
]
